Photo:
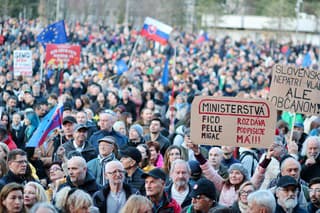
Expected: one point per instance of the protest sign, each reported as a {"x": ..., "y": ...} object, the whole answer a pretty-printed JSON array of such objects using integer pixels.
[
  {"x": 22, "y": 63},
  {"x": 295, "y": 89},
  {"x": 232, "y": 121},
  {"x": 57, "y": 54}
]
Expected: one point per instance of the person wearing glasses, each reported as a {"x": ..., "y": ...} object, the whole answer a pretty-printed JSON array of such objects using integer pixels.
[
  {"x": 56, "y": 177},
  {"x": 241, "y": 205},
  {"x": 79, "y": 177},
  {"x": 204, "y": 197},
  {"x": 17, "y": 163},
  {"x": 314, "y": 193},
  {"x": 114, "y": 194},
  {"x": 286, "y": 193}
]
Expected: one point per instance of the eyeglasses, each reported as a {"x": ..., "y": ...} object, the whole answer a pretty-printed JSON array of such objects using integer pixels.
[
  {"x": 115, "y": 172},
  {"x": 55, "y": 169},
  {"x": 316, "y": 190},
  {"x": 227, "y": 153},
  {"x": 286, "y": 190},
  {"x": 21, "y": 161},
  {"x": 243, "y": 192}
]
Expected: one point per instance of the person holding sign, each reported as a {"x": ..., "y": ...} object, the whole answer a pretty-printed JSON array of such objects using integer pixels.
[{"x": 237, "y": 175}]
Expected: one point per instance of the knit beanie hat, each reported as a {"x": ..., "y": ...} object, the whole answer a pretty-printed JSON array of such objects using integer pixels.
[
  {"x": 138, "y": 128},
  {"x": 240, "y": 168}
]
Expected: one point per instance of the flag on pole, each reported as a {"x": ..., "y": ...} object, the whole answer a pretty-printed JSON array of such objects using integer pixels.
[
  {"x": 54, "y": 33},
  {"x": 165, "y": 73},
  {"x": 50, "y": 122},
  {"x": 202, "y": 38},
  {"x": 155, "y": 30},
  {"x": 121, "y": 67}
]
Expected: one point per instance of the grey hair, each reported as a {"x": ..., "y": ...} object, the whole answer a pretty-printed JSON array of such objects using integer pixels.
[
  {"x": 180, "y": 161},
  {"x": 263, "y": 198},
  {"x": 285, "y": 160},
  {"x": 48, "y": 206},
  {"x": 307, "y": 141}
]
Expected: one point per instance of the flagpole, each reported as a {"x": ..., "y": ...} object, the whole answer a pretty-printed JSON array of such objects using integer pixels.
[
  {"x": 134, "y": 50},
  {"x": 41, "y": 64}
]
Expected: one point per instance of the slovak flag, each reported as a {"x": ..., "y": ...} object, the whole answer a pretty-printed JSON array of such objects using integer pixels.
[
  {"x": 202, "y": 38},
  {"x": 156, "y": 30},
  {"x": 50, "y": 122}
]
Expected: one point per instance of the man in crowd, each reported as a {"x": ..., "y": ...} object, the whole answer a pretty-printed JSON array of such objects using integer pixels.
[
  {"x": 155, "y": 135},
  {"x": 130, "y": 159},
  {"x": 145, "y": 119},
  {"x": 228, "y": 158},
  {"x": 107, "y": 152},
  {"x": 291, "y": 167},
  {"x": 82, "y": 118},
  {"x": 287, "y": 190},
  {"x": 261, "y": 201},
  {"x": 311, "y": 167},
  {"x": 180, "y": 187},
  {"x": 17, "y": 163},
  {"x": 112, "y": 197},
  {"x": 215, "y": 158},
  {"x": 106, "y": 120},
  {"x": 79, "y": 177},
  {"x": 204, "y": 197},
  {"x": 155, "y": 184},
  {"x": 68, "y": 124},
  {"x": 314, "y": 193},
  {"x": 80, "y": 143}
]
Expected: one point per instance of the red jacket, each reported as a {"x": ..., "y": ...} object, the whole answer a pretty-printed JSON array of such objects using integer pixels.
[
  {"x": 10, "y": 143},
  {"x": 167, "y": 205}
]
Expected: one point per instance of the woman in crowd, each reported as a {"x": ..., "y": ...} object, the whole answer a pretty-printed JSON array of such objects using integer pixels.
[
  {"x": 73, "y": 200},
  {"x": 237, "y": 175},
  {"x": 156, "y": 159},
  {"x": 57, "y": 177},
  {"x": 172, "y": 153},
  {"x": 33, "y": 193},
  {"x": 4, "y": 150},
  {"x": 241, "y": 205},
  {"x": 11, "y": 199},
  {"x": 137, "y": 204},
  {"x": 145, "y": 164},
  {"x": 31, "y": 121},
  {"x": 3, "y": 167}
]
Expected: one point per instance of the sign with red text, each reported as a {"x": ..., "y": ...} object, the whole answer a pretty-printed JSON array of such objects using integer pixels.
[
  {"x": 295, "y": 89},
  {"x": 57, "y": 54},
  {"x": 22, "y": 63},
  {"x": 232, "y": 121}
]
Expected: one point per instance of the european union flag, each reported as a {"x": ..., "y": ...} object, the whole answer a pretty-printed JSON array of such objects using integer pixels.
[
  {"x": 165, "y": 74},
  {"x": 54, "y": 33},
  {"x": 121, "y": 67}
]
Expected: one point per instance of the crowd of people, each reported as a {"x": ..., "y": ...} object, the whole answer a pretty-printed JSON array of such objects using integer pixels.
[{"x": 124, "y": 144}]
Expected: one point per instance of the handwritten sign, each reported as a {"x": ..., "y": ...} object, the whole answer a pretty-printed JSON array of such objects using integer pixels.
[
  {"x": 232, "y": 121},
  {"x": 295, "y": 89},
  {"x": 22, "y": 63}
]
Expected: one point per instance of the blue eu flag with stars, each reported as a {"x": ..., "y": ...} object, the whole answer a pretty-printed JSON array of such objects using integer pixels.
[{"x": 54, "y": 33}]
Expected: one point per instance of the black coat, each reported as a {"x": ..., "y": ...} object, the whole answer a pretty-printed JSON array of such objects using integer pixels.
[
  {"x": 187, "y": 199},
  {"x": 100, "y": 197},
  {"x": 90, "y": 185}
]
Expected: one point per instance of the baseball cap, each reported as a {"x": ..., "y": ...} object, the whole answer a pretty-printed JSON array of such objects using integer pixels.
[
  {"x": 204, "y": 187},
  {"x": 69, "y": 119},
  {"x": 155, "y": 173},
  {"x": 299, "y": 125},
  {"x": 286, "y": 181},
  {"x": 80, "y": 126},
  {"x": 108, "y": 139}
]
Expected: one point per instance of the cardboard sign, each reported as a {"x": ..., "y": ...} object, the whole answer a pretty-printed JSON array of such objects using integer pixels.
[
  {"x": 57, "y": 54},
  {"x": 232, "y": 121},
  {"x": 295, "y": 89},
  {"x": 22, "y": 63}
]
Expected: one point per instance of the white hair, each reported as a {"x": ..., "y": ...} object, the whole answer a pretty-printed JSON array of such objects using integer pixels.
[
  {"x": 263, "y": 198},
  {"x": 306, "y": 143}
]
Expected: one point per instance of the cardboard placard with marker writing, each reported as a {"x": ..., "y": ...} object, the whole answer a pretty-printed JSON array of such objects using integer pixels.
[{"x": 229, "y": 121}]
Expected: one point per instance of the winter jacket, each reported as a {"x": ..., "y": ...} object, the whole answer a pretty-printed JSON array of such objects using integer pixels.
[{"x": 88, "y": 152}]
